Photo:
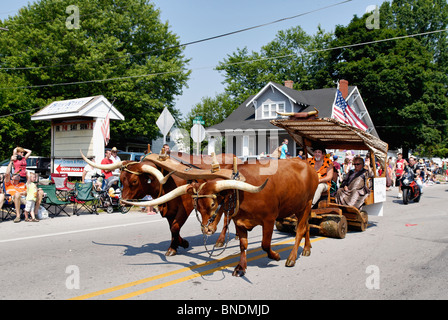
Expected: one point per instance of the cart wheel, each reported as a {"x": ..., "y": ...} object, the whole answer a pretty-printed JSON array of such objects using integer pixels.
[
  {"x": 334, "y": 226},
  {"x": 124, "y": 209},
  {"x": 282, "y": 226},
  {"x": 110, "y": 209},
  {"x": 279, "y": 226},
  {"x": 365, "y": 221}
]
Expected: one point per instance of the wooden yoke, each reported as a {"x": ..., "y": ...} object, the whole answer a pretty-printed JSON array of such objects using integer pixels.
[{"x": 188, "y": 173}]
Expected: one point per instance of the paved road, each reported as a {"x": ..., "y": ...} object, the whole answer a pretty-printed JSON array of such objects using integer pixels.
[{"x": 402, "y": 255}]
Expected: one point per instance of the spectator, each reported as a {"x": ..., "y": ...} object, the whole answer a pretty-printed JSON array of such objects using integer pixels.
[
  {"x": 284, "y": 149},
  {"x": 399, "y": 167},
  {"x": 88, "y": 172},
  {"x": 337, "y": 170},
  {"x": 115, "y": 158},
  {"x": 354, "y": 190},
  {"x": 166, "y": 148},
  {"x": 18, "y": 190},
  {"x": 2, "y": 195},
  {"x": 31, "y": 198},
  {"x": 20, "y": 155},
  {"x": 346, "y": 167},
  {"x": 107, "y": 160},
  {"x": 324, "y": 169}
]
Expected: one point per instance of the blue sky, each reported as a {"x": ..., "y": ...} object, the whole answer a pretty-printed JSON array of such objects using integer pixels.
[{"x": 197, "y": 19}]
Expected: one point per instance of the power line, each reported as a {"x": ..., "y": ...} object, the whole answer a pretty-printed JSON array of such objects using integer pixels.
[
  {"x": 227, "y": 64},
  {"x": 187, "y": 43}
]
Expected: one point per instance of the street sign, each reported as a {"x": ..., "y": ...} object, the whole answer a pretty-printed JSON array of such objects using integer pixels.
[
  {"x": 198, "y": 119},
  {"x": 197, "y": 133},
  {"x": 165, "y": 122}
]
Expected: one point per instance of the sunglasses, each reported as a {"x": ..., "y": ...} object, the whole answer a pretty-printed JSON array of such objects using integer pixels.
[{"x": 358, "y": 164}]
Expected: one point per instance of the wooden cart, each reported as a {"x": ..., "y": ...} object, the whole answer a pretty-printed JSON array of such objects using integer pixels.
[{"x": 330, "y": 218}]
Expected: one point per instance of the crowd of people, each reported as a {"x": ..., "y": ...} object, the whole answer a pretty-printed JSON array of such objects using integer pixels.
[
  {"x": 346, "y": 181},
  {"x": 18, "y": 186}
]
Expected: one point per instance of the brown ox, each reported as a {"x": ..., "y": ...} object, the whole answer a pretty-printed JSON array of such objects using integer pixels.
[
  {"x": 289, "y": 190},
  {"x": 139, "y": 179}
]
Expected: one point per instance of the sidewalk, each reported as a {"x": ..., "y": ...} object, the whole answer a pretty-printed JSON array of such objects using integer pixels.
[{"x": 69, "y": 209}]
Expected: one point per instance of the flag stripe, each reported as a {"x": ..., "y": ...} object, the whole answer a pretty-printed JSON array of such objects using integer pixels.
[{"x": 105, "y": 129}]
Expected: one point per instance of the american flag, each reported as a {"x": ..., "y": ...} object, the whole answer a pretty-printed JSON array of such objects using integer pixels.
[
  {"x": 105, "y": 129},
  {"x": 344, "y": 113}
]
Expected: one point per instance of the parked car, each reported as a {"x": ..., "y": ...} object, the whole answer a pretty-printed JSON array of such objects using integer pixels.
[
  {"x": 133, "y": 156},
  {"x": 40, "y": 165}
]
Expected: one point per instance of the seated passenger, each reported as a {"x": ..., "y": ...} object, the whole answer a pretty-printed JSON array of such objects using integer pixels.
[
  {"x": 354, "y": 190},
  {"x": 324, "y": 169}
]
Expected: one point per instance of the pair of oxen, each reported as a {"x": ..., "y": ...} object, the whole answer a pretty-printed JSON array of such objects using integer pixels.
[{"x": 267, "y": 190}]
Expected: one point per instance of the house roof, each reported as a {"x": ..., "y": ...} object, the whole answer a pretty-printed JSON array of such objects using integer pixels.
[
  {"x": 91, "y": 107},
  {"x": 243, "y": 117}
]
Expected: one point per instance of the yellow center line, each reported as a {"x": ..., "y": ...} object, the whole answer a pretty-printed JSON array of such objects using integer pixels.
[{"x": 186, "y": 278}]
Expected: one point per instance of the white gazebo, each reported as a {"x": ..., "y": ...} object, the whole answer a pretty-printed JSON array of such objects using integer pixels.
[{"x": 76, "y": 125}]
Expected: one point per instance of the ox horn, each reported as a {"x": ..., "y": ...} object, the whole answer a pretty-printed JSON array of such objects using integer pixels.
[
  {"x": 239, "y": 185},
  {"x": 156, "y": 173},
  {"x": 118, "y": 165},
  {"x": 110, "y": 167},
  {"x": 179, "y": 191}
]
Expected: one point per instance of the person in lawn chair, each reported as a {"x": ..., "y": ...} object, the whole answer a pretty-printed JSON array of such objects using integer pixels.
[{"x": 16, "y": 191}]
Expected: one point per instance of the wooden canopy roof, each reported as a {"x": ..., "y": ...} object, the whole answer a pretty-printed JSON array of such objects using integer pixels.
[{"x": 332, "y": 134}]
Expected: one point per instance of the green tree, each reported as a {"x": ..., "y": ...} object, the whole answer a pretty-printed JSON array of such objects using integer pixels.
[
  {"x": 287, "y": 57},
  {"x": 116, "y": 39},
  {"x": 403, "y": 82},
  {"x": 212, "y": 110}
]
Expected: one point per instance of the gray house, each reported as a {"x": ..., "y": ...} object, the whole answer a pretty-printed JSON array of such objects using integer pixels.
[{"x": 248, "y": 130}]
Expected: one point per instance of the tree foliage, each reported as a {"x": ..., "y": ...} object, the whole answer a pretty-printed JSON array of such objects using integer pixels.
[
  {"x": 403, "y": 82},
  {"x": 116, "y": 39}
]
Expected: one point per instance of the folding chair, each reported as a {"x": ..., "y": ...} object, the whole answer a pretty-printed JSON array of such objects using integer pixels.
[
  {"x": 84, "y": 198},
  {"x": 8, "y": 206},
  {"x": 63, "y": 187},
  {"x": 51, "y": 200}
]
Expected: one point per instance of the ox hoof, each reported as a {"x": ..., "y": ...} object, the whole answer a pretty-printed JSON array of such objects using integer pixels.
[
  {"x": 306, "y": 253},
  {"x": 184, "y": 244},
  {"x": 238, "y": 272},
  {"x": 290, "y": 263},
  {"x": 219, "y": 244},
  {"x": 274, "y": 256},
  {"x": 171, "y": 252}
]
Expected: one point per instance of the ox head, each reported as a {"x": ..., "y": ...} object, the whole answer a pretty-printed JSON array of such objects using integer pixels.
[
  {"x": 208, "y": 198},
  {"x": 137, "y": 178}
]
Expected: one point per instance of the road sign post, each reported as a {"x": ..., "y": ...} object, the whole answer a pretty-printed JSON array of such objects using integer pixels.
[
  {"x": 197, "y": 134},
  {"x": 165, "y": 122}
]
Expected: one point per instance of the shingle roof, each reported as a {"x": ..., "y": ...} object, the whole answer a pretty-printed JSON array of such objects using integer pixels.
[{"x": 243, "y": 117}]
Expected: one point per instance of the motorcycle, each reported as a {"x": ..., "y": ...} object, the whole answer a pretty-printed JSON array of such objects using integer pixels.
[{"x": 411, "y": 190}]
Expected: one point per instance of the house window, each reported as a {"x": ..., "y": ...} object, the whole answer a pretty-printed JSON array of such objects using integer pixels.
[
  {"x": 249, "y": 146},
  {"x": 266, "y": 111},
  {"x": 270, "y": 109}
]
